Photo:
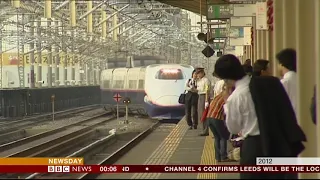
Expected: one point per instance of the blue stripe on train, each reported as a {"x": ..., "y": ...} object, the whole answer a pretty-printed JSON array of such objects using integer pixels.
[
  {"x": 137, "y": 102},
  {"x": 160, "y": 112}
]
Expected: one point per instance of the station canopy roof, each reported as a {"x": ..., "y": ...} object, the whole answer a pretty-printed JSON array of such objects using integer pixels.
[{"x": 193, "y": 5}]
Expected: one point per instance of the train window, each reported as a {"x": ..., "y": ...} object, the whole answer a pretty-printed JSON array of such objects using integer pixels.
[
  {"x": 141, "y": 84},
  {"x": 106, "y": 84},
  {"x": 118, "y": 84},
  {"x": 169, "y": 74},
  {"x": 132, "y": 84}
]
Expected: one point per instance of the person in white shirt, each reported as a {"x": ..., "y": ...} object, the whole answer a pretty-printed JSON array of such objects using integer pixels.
[
  {"x": 287, "y": 67},
  {"x": 203, "y": 87},
  {"x": 247, "y": 110},
  {"x": 218, "y": 87},
  {"x": 191, "y": 101}
]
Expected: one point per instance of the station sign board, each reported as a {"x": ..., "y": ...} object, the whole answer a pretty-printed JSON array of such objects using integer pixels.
[
  {"x": 261, "y": 16},
  {"x": 218, "y": 45},
  {"x": 235, "y": 32},
  {"x": 226, "y": 11},
  {"x": 13, "y": 59},
  {"x": 219, "y": 11},
  {"x": 244, "y": 10},
  {"x": 220, "y": 33},
  {"x": 230, "y": 48},
  {"x": 241, "y": 22}
]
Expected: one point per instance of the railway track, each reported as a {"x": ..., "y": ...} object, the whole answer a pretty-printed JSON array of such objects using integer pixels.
[
  {"x": 54, "y": 143},
  {"x": 87, "y": 145},
  {"x": 10, "y": 125},
  {"x": 16, "y": 130},
  {"x": 8, "y": 149},
  {"x": 93, "y": 149}
]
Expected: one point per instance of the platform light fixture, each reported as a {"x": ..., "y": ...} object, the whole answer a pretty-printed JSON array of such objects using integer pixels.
[{"x": 202, "y": 36}]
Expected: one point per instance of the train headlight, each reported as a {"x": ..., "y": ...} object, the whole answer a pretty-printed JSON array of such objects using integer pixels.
[{"x": 126, "y": 101}]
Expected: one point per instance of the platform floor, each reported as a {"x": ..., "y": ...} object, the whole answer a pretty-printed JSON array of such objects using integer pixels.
[{"x": 172, "y": 144}]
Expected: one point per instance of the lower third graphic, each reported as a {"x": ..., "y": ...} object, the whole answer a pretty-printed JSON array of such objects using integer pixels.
[{"x": 58, "y": 168}]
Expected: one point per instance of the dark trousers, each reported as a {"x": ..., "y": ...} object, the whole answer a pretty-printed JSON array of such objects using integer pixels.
[
  {"x": 221, "y": 136},
  {"x": 250, "y": 150},
  {"x": 191, "y": 109}
]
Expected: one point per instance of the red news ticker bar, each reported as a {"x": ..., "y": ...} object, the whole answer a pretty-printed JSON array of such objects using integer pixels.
[{"x": 159, "y": 169}]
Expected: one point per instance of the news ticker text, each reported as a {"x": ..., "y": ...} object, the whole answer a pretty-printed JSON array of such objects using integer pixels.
[{"x": 159, "y": 169}]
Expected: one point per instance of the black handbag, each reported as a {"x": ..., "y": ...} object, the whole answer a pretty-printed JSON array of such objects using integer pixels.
[{"x": 182, "y": 98}]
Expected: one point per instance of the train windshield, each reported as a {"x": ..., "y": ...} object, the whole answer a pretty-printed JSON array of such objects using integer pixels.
[{"x": 169, "y": 74}]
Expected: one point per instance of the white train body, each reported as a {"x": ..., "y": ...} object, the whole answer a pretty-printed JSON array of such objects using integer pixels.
[{"x": 153, "y": 90}]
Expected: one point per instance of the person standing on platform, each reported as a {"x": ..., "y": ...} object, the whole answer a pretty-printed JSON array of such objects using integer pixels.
[
  {"x": 247, "y": 67},
  {"x": 247, "y": 62},
  {"x": 203, "y": 85},
  {"x": 287, "y": 66},
  {"x": 261, "y": 68},
  {"x": 260, "y": 109},
  {"x": 217, "y": 125},
  {"x": 218, "y": 87},
  {"x": 191, "y": 104}
]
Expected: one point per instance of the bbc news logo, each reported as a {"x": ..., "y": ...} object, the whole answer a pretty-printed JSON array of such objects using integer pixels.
[{"x": 58, "y": 168}]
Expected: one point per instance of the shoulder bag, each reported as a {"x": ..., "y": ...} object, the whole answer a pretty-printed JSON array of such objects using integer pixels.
[{"x": 182, "y": 98}]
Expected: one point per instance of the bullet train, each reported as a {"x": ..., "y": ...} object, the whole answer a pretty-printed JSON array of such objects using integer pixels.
[{"x": 153, "y": 90}]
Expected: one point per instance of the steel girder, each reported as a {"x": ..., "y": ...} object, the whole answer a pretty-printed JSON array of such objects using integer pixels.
[{"x": 151, "y": 17}]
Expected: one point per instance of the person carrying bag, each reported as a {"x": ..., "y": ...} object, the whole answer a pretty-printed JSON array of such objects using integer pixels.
[{"x": 191, "y": 101}]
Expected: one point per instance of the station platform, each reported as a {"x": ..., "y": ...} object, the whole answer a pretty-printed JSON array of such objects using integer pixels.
[{"x": 173, "y": 145}]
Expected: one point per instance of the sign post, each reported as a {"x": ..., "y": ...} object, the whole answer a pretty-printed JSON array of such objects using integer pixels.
[
  {"x": 52, "y": 100},
  {"x": 117, "y": 98},
  {"x": 126, "y": 101}
]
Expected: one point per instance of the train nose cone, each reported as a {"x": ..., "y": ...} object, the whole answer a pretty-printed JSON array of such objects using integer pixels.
[{"x": 167, "y": 101}]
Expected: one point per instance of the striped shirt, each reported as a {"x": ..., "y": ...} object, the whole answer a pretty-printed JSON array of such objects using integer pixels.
[{"x": 216, "y": 108}]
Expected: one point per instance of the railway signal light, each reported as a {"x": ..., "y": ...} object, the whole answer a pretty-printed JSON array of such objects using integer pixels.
[{"x": 126, "y": 100}]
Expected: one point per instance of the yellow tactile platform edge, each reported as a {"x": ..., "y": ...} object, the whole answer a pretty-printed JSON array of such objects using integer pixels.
[
  {"x": 164, "y": 151},
  {"x": 208, "y": 157}
]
